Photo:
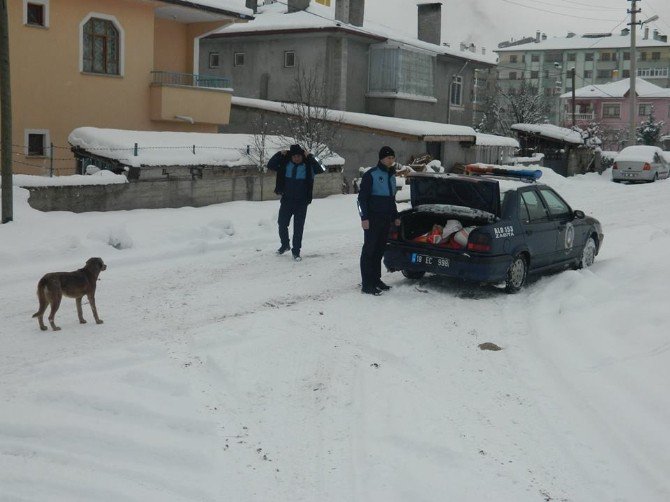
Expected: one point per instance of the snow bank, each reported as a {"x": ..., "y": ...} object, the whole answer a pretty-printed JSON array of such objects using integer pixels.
[{"x": 98, "y": 178}]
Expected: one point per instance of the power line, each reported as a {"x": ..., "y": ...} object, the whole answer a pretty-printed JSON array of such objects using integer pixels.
[{"x": 557, "y": 13}]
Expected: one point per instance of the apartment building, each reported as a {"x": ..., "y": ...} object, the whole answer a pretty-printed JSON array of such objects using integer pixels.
[
  {"x": 598, "y": 58},
  {"x": 111, "y": 64}
]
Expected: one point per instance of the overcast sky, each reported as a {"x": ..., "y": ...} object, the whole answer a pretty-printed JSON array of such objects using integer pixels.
[{"x": 487, "y": 22}]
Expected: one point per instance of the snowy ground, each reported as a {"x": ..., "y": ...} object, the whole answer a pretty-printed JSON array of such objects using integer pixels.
[{"x": 225, "y": 373}]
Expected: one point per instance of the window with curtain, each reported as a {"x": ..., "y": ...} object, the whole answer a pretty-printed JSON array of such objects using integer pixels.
[
  {"x": 101, "y": 47},
  {"x": 401, "y": 71}
]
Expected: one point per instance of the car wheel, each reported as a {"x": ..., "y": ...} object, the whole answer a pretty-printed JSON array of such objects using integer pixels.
[
  {"x": 655, "y": 178},
  {"x": 588, "y": 253},
  {"x": 413, "y": 274},
  {"x": 516, "y": 274}
]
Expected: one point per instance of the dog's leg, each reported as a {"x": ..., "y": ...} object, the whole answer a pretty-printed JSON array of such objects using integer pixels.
[
  {"x": 42, "y": 308},
  {"x": 91, "y": 300},
  {"x": 79, "y": 311},
  {"x": 54, "y": 300}
]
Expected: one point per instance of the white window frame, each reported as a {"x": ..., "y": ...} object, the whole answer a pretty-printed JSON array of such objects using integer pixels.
[
  {"x": 45, "y": 4},
  {"x": 47, "y": 142},
  {"x": 209, "y": 62},
  {"x": 456, "y": 80},
  {"x": 235, "y": 63},
  {"x": 286, "y": 53},
  {"x": 122, "y": 44},
  {"x": 611, "y": 116},
  {"x": 639, "y": 108}
]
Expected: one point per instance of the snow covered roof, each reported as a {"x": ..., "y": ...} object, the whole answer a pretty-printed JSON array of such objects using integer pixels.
[
  {"x": 274, "y": 18},
  {"x": 222, "y": 7},
  {"x": 159, "y": 148},
  {"x": 619, "y": 89},
  {"x": 551, "y": 131},
  {"x": 422, "y": 131},
  {"x": 577, "y": 42},
  {"x": 493, "y": 140}
]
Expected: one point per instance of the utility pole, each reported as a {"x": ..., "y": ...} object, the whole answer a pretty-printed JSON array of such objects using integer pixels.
[
  {"x": 632, "y": 133},
  {"x": 5, "y": 117},
  {"x": 572, "y": 76}
]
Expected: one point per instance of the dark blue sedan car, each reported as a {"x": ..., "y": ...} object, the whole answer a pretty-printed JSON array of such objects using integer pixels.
[{"x": 489, "y": 228}]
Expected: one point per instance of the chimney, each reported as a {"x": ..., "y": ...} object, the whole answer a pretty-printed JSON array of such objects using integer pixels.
[
  {"x": 296, "y": 5},
  {"x": 646, "y": 33},
  {"x": 625, "y": 32},
  {"x": 655, "y": 34},
  {"x": 430, "y": 23},
  {"x": 464, "y": 47},
  {"x": 253, "y": 5},
  {"x": 537, "y": 37},
  {"x": 473, "y": 48},
  {"x": 544, "y": 36},
  {"x": 483, "y": 51},
  {"x": 350, "y": 11}
]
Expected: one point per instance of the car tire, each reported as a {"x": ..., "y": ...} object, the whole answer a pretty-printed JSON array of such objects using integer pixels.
[
  {"x": 516, "y": 274},
  {"x": 588, "y": 253},
  {"x": 655, "y": 178},
  {"x": 413, "y": 274}
]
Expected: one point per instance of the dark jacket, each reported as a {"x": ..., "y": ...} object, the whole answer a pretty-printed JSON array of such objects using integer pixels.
[
  {"x": 291, "y": 186},
  {"x": 377, "y": 192}
]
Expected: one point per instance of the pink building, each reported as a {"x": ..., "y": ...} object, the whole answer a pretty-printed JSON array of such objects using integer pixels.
[{"x": 609, "y": 106}]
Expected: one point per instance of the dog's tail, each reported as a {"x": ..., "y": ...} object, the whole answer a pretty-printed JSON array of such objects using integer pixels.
[{"x": 42, "y": 297}]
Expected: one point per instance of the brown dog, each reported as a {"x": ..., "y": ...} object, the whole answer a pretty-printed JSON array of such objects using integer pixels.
[{"x": 53, "y": 286}]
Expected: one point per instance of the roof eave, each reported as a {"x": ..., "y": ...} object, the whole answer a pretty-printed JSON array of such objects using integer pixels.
[
  {"x": 207, "y": 8},
  {"x": 277, "y": 31}
]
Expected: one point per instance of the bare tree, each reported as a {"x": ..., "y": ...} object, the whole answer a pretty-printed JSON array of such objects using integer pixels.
[
  {"x": 523, "y": 105},
  {"x": 309, "y": 122},
  {"x": 257, "y": 151}
]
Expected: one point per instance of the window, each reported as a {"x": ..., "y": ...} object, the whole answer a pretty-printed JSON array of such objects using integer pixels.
[
  {"x": 605, "y": 56},
  {"x": 101, "y": 47},
  {"x": 514, "y": 58},
  {"x": 655, "y": 56},
  {"x": 626, "y": 56},
  {"x": 214, "y": 60},
  {"x": 400, "y": 71},
  {"x": 512, "y": 75},
  {"x": 289, "y": 59},
  {"x": 643, "y": 56},
  {"x": 534, "y": 206},
  {"x": 604, "y": 74},
  {"x": 36, "y": 141},
  {"x": 456, "y": 91},
  {"x": 572, "y": 56},
  {"x": 652, "y": 72},
  {"x": 239, "y": 59},
  {"x": 534, "y": 74},
  {"x": 645, "y": 110},
  {"x": 611, "y": 110},
  {"x": 588, "y": 73},
  {"x": 535, "y": 58},
  {"x": 36, "y": 13},
  {"x": 557, "y": 207},
  {"x": 588, "y": 56}
]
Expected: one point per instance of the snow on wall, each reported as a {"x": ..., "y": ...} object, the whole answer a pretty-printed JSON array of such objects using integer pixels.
[
  {"x": 551, "y": 131},
  {"x": 177, "y": 148}
]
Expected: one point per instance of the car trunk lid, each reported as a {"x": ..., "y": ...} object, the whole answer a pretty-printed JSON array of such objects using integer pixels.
[{"x": 477, "y": 193}]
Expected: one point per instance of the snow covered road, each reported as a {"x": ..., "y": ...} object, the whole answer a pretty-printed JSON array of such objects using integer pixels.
[{"x": 224, "y": 372}]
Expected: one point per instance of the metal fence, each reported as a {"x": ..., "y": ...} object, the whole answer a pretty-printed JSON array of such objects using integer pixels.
[{"x": 189, "y": 80}]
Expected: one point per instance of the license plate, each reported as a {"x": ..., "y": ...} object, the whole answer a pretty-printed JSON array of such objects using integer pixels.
[{"x": 433, "y": 261}]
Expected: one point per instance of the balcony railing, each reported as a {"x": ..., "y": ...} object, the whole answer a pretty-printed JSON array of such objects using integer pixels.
[
  {"x": 584, "y": 116},
  {"x": 189, "y": 80}
]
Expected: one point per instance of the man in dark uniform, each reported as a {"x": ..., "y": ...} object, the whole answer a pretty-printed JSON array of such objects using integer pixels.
[
  {"x": 377, "y": 207},
  {"x": 295, "y": 170}
]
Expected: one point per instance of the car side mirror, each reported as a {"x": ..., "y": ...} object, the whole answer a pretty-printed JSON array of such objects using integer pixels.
[{"x": 579, "y": 214}]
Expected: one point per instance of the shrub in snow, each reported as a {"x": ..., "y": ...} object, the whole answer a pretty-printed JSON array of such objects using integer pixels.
[{"x": 649, "y": 132}]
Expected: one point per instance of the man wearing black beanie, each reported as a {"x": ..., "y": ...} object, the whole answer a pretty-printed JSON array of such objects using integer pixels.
[{"x": 377, "y": 208}]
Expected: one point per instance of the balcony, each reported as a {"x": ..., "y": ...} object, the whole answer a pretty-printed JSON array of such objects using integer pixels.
[
  {"x": 186, "y": 97},
  {"x": 584, "y": 117}
]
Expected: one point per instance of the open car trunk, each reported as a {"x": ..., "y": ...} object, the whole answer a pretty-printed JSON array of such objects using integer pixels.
[{"x": 449, "y": 206}]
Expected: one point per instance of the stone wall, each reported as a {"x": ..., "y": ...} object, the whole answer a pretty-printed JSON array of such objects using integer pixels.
[{"x": 209, "y": 186}]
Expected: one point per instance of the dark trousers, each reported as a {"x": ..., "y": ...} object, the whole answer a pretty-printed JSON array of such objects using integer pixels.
[
  {"x": 298, "y": 210},
  {"x": 374, "y": 245}
]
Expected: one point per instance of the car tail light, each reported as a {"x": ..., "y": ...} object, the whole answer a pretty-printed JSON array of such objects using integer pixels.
[
  {"x": 647, "y": 166},
  {"x": 615, "y": 166},
  {"x": 479, "y": 242}
]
